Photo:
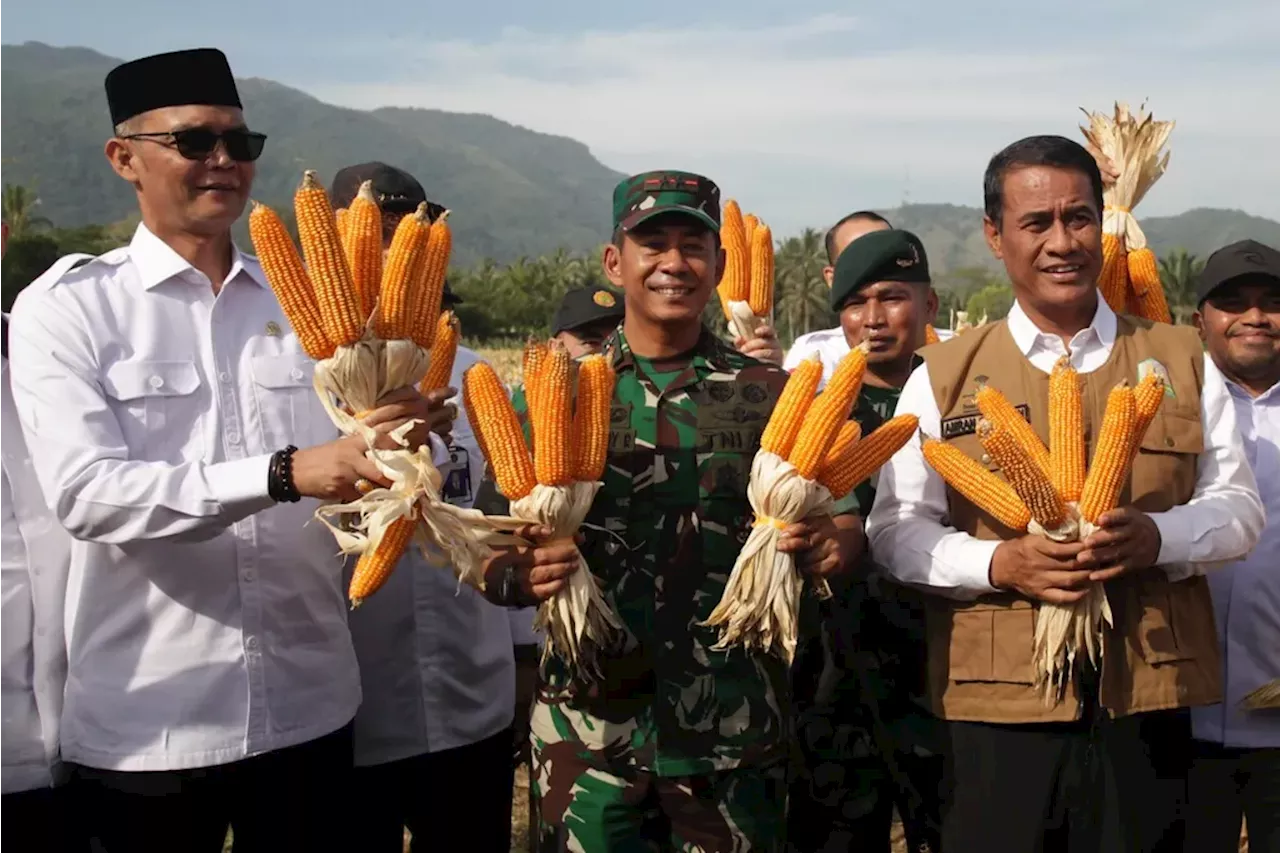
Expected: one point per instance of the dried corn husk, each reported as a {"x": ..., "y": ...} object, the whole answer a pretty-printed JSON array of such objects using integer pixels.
[
  {"x": 1266, "y": 697},
  {"x": 1133, "y": 143}
]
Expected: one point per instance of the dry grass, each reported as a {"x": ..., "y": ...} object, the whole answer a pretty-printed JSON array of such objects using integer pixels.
[{"x": 505, "y": 361}]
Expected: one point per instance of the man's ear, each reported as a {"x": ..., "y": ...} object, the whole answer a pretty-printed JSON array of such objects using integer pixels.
[
  {"x": 931, "y": 306},
  {"x": 611, "y": 262},
  {"x": 828, "y": 275},
  {"x": 120, "y": 156},
  {"x": 992, "y": 233},
  {"x": 1197, "y": 320}
]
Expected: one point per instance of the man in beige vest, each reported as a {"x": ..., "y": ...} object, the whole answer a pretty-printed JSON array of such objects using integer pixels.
[{"x": 1104, "y": 769}]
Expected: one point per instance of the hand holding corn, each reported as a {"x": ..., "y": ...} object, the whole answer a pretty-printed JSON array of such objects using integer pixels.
[
  {"x": 1079, "y": 537},
  {"x": 810, "y": 453},
  {"x": 537, "y": 571}
]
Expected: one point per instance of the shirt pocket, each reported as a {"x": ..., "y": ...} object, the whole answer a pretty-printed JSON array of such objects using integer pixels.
[
  {"x": 156, "y": 405},
  {"x": 992, "y": 642},
  {"x": 289, "y": 412},
  {"x": 1167, "y": 458}
]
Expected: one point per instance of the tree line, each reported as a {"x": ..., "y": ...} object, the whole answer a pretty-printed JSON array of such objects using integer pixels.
[{"x": 508, "y": 302}]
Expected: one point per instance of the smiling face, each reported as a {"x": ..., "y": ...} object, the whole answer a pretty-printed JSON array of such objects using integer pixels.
[
  {"x": 176, "y": 194},
  {"x": 1049, "y": 237},
  {"x": 1240, "y": 326},
  {"x": 667, "y": 267}
]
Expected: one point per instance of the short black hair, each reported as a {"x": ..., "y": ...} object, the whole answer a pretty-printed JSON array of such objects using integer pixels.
[
  {"x": 1055, "y": 151},
  {"x": 830, "y": 240}
]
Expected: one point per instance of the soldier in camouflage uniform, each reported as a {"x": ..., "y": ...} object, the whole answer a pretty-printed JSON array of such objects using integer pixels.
[
  {"x": 677, "y": 747},
  {"x": 866, "y": 747}
]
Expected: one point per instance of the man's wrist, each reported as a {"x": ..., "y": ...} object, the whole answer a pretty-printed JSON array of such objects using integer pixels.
[{"x": 280, "y": 485}]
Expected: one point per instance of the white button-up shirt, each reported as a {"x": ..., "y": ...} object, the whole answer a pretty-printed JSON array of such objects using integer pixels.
[
  {"x": 204, "y": 622},
  {"x": 34, "y": 561},
  {"x": 436, "y": 663},
  {"x": 907, "y": 526},
  {"x": 1246, "y": 594},
  {"x": 829, "y": 345}
]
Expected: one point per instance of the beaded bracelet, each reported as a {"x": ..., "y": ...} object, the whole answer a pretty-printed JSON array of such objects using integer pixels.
[{"x": 280, "y": 476}]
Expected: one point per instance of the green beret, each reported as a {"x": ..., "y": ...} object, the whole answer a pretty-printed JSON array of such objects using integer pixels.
[{"x": 892, "y": 255}]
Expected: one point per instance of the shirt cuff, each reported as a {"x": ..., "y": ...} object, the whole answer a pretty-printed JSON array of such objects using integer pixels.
[
  {"x": 240, "y": 487},
  {"x": 1175, "y": 538},
  {"x": 973, "y": 569}
]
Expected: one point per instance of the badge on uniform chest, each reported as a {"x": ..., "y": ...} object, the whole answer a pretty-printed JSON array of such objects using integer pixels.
[{"x": 968, "y": 424}]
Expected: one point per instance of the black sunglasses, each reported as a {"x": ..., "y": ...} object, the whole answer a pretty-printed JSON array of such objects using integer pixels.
[{"x": 197, "y": 143}]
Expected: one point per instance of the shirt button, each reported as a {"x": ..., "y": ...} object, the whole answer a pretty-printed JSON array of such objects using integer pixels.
[
  {"x": 248, "y": 574},
  {"x": 224, "y": 376},
  {"x": 233, "y": 438},
  {"x": 156, "y": 381},
  {"x": 296, "y": 373},
  {"x": 251, "y": 643},
  {"x": 986, "y": 459},
  {"x": 1168, "y": 442}
]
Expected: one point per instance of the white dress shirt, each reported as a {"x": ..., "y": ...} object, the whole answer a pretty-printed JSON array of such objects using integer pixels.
[
  {"x": 436, "y": 663},
  {"x": 1246, "y": 594},
  {"x": 204, "y": 622},
  {"x": 34, "y": 561},
  {"x": 828, "y": 344},
  {"x": 907, "y": 527}
]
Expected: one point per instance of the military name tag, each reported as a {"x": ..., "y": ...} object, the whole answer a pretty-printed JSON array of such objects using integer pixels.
[{"x": 968, "y": 424}]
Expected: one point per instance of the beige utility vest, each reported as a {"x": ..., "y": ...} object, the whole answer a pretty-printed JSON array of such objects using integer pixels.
[{"x": 1162, "y": 651}]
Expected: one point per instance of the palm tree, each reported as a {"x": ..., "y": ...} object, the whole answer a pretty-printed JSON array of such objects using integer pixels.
[
  {"x": 800, "y": 292},
  {"x": 1178, "y": 273},
  {"x": 19, "y": 203}
]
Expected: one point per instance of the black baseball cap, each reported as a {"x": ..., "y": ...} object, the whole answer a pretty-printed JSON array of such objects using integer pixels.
[
  {"x": 585, "y": 306},
  {"x": 1240, "y": 259},
  {"x": 396, "y": 190}
]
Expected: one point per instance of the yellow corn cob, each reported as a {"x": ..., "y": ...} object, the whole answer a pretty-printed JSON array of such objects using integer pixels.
[
  {"x": 340, "y": 216},
  {"x": 793, "y": 404},
  {"x": 984, "y": 490},
  {"x": 401, "y": 274},
  {"x": 443, "y": 351},
  {"x": 1147, "y": 397},
  {"x": 426, "y": 297},
  {"x": 553, "y": 423},
  {"x": 596, "y": 381},
  {"x": 931, "y": 334},
  {"x": 996, "y": 408},
  {"x": 363, "y": 245},
  {"x": 760, "y": 288},
  {"x": 1110, "y": 466},
  {"x": 326, "y": 263},
  {"x": 1144, "y": 281},
  {"x": 1028, "y": 481},
  {"x": 492, "y": 417},
  {"x": 535, "y": 357},
  {"x": 829, "y": 410},
  {"x": 374, "y": 567},
  {"x": 735, "y": 284},
  {"x": 288, "y": 278},
  {"x": 1066, "y": 431},
  {"x": 750, "y": 223},
  {"x": 863, "y": 458},
  {"x": 849, "y": 434},
  {"x": 1113, "y": 280}
]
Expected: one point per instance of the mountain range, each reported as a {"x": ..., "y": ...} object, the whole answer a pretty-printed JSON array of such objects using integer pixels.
[{"x": 514, "y": 192}]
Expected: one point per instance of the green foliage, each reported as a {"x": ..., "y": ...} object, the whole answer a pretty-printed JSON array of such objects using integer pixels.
[{"x": 992, "y": 302}]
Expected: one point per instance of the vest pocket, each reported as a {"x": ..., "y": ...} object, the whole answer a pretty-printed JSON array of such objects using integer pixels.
[
  {"x": 1158, "y": 626},
  {"x": 992, "y": 642}
]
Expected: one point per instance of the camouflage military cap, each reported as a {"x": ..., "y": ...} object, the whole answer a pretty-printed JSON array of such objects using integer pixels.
[
  {"x": 649, "y": 194},
  {"x": 892, "y": 255}
]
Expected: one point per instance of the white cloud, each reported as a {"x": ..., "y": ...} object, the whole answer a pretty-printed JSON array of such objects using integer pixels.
[{"x": 797, "y": 123}]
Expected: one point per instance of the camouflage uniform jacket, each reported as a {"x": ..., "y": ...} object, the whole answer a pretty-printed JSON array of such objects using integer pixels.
[{"x": 675, "y": 492}]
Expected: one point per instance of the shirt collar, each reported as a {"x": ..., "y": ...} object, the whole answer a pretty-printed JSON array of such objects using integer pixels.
[
  {"x": 1026, "y": 335},
  {"x": 1267, "y": 397},
  {"x": 157, "y": 262}
]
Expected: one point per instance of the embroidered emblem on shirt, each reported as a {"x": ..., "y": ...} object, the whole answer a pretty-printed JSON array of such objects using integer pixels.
[
  {"x": 1150, "y": 365},
  {"x": 273, "y": 329}
]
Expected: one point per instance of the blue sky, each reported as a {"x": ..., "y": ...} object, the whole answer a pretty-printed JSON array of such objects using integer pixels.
[{"x": 801, "y": 109}]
